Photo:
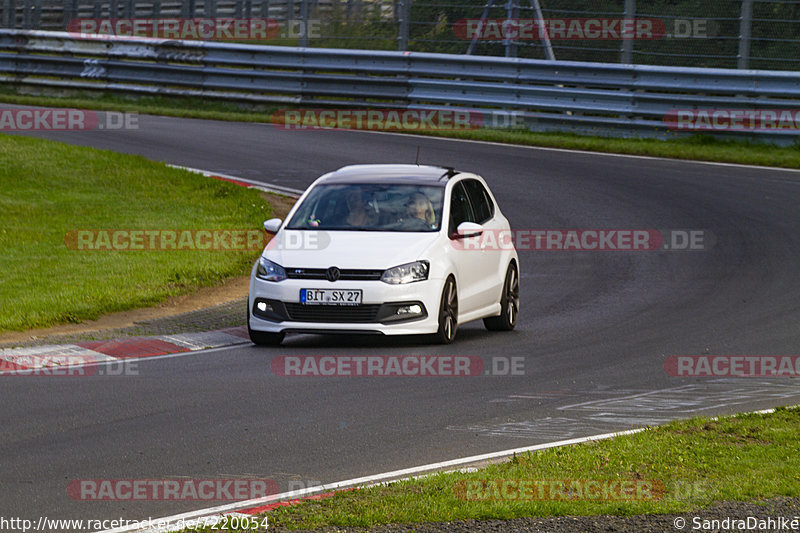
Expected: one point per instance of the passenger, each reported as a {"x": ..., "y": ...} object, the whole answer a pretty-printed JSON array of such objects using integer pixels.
[{"x": 419, "y": 206}]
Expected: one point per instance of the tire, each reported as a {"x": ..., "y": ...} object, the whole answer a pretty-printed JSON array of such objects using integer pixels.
[
  {"x": 448, "y": 313},
  {"x": 509, "y": 303},
  {"x": 263, "y": 338}
]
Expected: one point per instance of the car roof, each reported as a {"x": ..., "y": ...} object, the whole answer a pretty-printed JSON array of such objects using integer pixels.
[{"x": 405, "y": 174}]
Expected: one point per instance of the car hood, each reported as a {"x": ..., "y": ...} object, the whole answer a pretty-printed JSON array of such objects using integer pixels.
[{"x": 347, "y": 249}]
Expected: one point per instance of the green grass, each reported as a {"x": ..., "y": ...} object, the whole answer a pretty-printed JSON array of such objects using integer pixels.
[
  {"x": 183, "y": 107},
  {"x": 691, "y": 463},
  {"x": 698, "y": 147},
  {"x": 48, "y": 189}
]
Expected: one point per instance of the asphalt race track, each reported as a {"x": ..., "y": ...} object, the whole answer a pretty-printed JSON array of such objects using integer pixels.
[{"x": 595, "y": 330}]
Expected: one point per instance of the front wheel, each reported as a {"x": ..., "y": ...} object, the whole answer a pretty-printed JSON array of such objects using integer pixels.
[
  {"x": 509, "y": 303},
  {"x": 265, "y": 338},
  {"x": 448, "y": 313}
]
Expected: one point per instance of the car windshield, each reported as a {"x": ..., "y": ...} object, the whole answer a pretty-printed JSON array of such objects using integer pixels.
[{"x": 371, "y": 207}]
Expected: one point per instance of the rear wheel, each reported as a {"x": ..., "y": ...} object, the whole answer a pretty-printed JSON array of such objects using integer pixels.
[
  {"x": 509, "y": 303},
  {"x": 448, "y": 313},
  {"x": 263, "y": 338}
]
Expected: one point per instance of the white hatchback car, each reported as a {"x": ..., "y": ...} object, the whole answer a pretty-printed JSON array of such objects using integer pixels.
[{"x": 387, "y": 249}]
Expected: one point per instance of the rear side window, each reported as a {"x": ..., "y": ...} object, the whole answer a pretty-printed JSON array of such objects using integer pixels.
[
  {"x": 460, "y": 209},
  {"x": 482, "y": 204}
]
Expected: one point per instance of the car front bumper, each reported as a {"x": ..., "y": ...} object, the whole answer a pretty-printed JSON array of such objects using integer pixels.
[{"x": 385, "y": 309}]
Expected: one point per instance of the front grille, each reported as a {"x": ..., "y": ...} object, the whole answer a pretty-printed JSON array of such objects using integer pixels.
[
  {"x": 349, "y": 314},
  {"x": 346, "y": 274}
]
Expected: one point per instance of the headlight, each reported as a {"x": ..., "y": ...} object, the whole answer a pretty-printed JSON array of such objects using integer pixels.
[
  {"x": 269, "y": 271},
  {"x": 408, "y": 273}
]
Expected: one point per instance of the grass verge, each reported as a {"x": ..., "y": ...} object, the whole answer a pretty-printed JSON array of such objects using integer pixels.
[
  {"x": 698, "y": 147},
  {"x": 688, "y": 464},
  {"x": 50, "y": 189}
]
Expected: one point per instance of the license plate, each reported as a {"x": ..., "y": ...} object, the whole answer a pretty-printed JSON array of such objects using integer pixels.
[{"x": 330, "y": 296}]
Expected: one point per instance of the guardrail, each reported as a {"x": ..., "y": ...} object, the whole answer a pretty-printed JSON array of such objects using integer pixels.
[{"x": 596, "y": 98}]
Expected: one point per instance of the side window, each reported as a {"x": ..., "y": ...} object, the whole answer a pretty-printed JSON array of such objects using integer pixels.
[
  {"x": 460, "y": 209},
  {"x": 480, "y": 200}
]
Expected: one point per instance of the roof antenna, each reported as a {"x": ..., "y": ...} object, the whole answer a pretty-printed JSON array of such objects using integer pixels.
[{"x": 417, "y": 161}]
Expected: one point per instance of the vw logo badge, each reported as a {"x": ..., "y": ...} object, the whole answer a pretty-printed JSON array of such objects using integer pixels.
[{"x": 333, "y": 274}]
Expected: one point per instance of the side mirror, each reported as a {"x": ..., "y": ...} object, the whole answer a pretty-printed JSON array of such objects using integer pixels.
[
  {"x": 468, "y": 229},
  {"x": 273, "y": 225}
]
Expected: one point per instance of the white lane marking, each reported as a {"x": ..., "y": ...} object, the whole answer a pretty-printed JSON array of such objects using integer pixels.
[
  {"x": 268, "y": 187},
  {"x": 184, "y": 354},
  {"x": 574, "y": 151},
  {"x": 377, "y": 478}
]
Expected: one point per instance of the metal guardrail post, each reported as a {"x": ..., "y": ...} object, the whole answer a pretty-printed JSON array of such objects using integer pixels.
[
  {"x": 26, "y": 14},
  {"x": 70, "y": 11},
  {"x": 187, "y": 9},
  {"x": 544, "y": 35},
  {"x": 479, "y": 32},
  {"x": 302, "y": 39},
  {"x": 627, "y": 40},
  {"x": 354, "y": 9},
  {"x": 745, "y": 29},
  {"x": 265, "y": 9},
  {"x": 512, "y": 8},
  {"x": 403, "y": 25},
  {"x": 36, "y": 15}
]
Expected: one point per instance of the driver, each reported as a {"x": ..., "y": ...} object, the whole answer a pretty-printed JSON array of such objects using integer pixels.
[{"x": 359, "y": 212}]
